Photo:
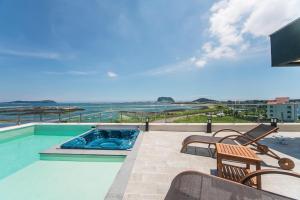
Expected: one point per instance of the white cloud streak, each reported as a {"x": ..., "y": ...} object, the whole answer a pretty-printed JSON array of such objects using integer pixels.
[
  {"x": 182, "y": 66},
  {"x": 32, "y": 54},
  {"x": 111, "y": 74},
  {"x": 71, "y": 72}
]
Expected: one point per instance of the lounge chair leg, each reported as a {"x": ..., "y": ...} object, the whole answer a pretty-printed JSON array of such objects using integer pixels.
[
  {"x": 183, "y": 149},
  {"x": 263, "y": 148},
  {"x": 286, "y": 163},
  {"x": 214, "y": 154},
  {"x": 211, "y": 153}
]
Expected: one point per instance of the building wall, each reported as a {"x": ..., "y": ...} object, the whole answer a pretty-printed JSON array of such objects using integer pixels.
[{"x": 283, "y": 112}]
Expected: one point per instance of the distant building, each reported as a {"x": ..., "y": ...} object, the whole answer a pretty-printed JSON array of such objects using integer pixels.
[{"x": 282, "y": 109}]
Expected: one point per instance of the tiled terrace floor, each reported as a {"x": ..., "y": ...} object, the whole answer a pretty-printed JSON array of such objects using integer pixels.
[{"x": 159, "y": 160}]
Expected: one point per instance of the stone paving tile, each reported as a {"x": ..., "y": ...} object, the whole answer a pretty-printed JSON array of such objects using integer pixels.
[
  {"x": 159, "y": 160},
  {"x": 144, "y": 197}
]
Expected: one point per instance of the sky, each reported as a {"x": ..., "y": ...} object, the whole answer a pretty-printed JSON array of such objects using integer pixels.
[{"x": 138, "y": 50}]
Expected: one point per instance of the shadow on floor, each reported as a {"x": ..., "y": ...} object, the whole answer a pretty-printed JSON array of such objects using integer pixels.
[
  {"x": 214, "y": 172},
  {"x": 287, "y": 145},
  {"x": 199, "y": 151},
  {"x": 203, "y": 151}
]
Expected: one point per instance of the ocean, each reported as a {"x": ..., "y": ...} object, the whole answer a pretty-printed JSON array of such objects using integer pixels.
[{"x": 91, "y": 112}]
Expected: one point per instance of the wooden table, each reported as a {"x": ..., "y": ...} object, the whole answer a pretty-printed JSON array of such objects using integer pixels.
[{"x": 240, "y": 154}]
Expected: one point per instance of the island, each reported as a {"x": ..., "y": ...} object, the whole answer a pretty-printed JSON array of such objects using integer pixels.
[
  {"x": 33, "y": 102},
  {"x": 165, "y": 100},
  {"x": 204, "y": 100},
  {"x": 38, "y": 110}
]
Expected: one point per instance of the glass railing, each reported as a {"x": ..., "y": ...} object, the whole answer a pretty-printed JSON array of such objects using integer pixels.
[{"x": 193, "y": 113}]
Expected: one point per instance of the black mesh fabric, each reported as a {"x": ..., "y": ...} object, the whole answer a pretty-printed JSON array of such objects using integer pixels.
[{"x": 256, "y": 133}]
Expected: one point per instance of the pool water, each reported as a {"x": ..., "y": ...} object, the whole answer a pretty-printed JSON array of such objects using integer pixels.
[
  {"x": 21, "y": 147},
  {"x": 24, "y": 174},
  {"x": 65, "y": 180},
  {"x": 21, "y": 152}
]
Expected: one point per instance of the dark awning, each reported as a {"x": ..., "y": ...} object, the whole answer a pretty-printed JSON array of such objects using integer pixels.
[{"x": 285, "y": 45}]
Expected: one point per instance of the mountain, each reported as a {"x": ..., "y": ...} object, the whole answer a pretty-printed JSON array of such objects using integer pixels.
[
  {"x": 204, "y": 100},
  {"x": 165, "y": 100},
  {"x": 34, "y": 102}
]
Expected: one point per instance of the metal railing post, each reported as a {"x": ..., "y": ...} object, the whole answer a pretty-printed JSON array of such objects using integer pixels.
[
  {"x": 100, "y": 117},
  {"x": 208, "y": 126},
  {"x": 147, "y": 124},
  {"x": 274, "y": 122},
  {"x": 80, "y": 117}
]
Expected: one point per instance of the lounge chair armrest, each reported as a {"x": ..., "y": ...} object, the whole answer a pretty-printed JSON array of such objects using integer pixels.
[
  {"x": 230, "y": 136},
  {"x": 226, "y": 129},
  {"x": 267, "y": 171}
]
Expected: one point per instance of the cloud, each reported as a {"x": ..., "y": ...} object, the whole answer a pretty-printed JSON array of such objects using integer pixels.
[
  {"x": 235, "y": 27},
  {"x": 81, "y": 73},
  {"x": 111, "y": 74},
  {"x": 181, "y": 66},
  {"x": 32, "y": 54},
  {"x": 71, "y": 72},
  {"x": 200, "y": 63},
  {"x": 189, "y": 64}
]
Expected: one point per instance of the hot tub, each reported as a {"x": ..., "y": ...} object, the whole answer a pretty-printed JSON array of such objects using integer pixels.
[{"x": 106, "y": 139}]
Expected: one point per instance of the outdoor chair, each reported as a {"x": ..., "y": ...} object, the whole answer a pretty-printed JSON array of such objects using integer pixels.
[
  {"x": 193, "y": 185},
  {"x": 250, "y": 138}
]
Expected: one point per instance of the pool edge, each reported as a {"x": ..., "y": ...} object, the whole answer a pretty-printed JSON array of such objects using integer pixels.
[{"x": 119, "y": 185}]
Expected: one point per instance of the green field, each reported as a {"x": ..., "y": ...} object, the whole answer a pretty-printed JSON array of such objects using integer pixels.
[
  {"x": 198, "y": 115},
  {"x": 203, "y": 119},
  {"x": 127, "y": 118}
]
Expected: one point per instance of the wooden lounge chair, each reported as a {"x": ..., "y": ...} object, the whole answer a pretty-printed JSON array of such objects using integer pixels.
[
  {"x": 250, "y": 137},
  {"x": 193, "y": 185}
]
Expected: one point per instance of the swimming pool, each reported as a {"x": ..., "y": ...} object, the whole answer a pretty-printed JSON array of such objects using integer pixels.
[
  {"x": 40, "y": 178},
  {"x": 107, "y": 139},
  {"x": 20, "y": 147}
]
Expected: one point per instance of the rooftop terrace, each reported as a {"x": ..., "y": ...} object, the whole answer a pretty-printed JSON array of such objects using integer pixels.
[
  {"x": 155, "y": 159},
  {"x": 159, "y": 160}
]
